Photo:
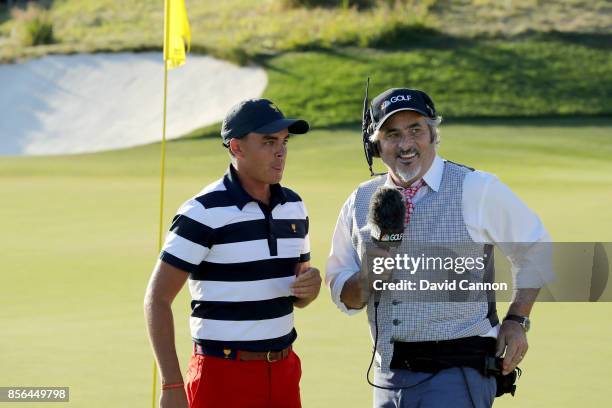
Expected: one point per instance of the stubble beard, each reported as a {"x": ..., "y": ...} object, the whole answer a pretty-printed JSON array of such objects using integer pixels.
[{"x": 406, "y": 175}]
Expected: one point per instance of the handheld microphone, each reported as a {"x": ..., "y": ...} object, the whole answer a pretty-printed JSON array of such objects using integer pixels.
[{"x": 386, "y": 217}]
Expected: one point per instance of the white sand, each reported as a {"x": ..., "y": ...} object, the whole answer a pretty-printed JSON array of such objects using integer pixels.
[{"x": 87, "y": 103}]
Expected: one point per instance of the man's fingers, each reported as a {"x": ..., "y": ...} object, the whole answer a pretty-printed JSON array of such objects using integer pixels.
[
  {"x": 309, "y": 274},
  {"x": 512, "y": 354},
  {"x": 306, "y": 291},
  {"x": 306, "y": 280},
  {"x": 311, "y": 270},
  {"x": 516, "y": 352},
  {"x": 513, "y": 336},
  {"x": 518, "y": 357},
  {"x": 521, "y": 350},
  {"x": 303, "y": 294},
  {"x": 501, "y": 345},
  {"x": 307, "y": 284}
]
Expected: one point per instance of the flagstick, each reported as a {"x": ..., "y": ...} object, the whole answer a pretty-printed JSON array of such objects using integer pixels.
[
  {"x": 184, "y": 26},
  {"x": 154, "y": 383},
  {"x": 161, "y": 202}
]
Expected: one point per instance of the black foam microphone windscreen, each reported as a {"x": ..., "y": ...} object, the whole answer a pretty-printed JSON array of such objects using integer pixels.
[{"x": 386, "y": 217}]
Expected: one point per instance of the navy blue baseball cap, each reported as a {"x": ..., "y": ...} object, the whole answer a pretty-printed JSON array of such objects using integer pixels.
[
  {"x": 400, "y": 99},
  {"x": 259, "y": 116}
]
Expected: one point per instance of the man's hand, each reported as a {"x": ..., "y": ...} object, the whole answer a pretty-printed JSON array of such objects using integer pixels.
[
  {"x": 368, "y": 275},
  {"x": 357, "y": 289},
  {"x": 513, "y": 339},
  {"x": 173, "y": 398},
  {"x": 307, "y": 285}
]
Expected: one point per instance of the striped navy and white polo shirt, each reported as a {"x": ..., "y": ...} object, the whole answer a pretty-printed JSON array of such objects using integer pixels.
[{"x": 241, "y": 256}]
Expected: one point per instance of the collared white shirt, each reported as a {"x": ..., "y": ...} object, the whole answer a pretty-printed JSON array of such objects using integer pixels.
[{"x": 493, "y": 214}]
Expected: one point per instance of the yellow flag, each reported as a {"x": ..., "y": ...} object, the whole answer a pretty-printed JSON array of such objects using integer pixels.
[{"x": 176, "y": 33}]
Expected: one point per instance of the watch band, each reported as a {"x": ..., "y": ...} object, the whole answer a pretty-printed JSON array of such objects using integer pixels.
[{"x": 522, "y": 320}]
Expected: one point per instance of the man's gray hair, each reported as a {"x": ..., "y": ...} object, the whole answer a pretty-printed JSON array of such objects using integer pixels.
[{"x": 432, "y": 124}]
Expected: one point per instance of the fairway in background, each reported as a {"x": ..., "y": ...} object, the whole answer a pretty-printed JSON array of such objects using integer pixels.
[{"x": 79, "y": 244}]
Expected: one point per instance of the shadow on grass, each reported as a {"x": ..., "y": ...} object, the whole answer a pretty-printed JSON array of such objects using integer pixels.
[
  {"x": 346, "y": 53},
  {"x": 414, "y": 36},
  {"x": 601, "y": 41},
  {"x": 263, "y": 60},
  {"x": 417, "y": 35}
]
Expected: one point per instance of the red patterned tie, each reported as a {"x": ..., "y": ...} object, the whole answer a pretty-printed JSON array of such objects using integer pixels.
[{"x": 409, "y": 194}]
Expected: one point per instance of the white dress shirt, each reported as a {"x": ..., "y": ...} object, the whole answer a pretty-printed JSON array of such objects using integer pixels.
[{"x": 493, "y": 214}]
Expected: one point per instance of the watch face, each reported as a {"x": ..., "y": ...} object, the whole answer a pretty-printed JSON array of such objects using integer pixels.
[{"x": 526, "y": 324}]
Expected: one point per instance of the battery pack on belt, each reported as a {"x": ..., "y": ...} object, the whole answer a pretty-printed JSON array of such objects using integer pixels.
[{"x": 475, "y": 352}]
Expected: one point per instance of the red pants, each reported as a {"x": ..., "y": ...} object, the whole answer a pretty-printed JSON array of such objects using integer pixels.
[{"x": 221, "y": 383}]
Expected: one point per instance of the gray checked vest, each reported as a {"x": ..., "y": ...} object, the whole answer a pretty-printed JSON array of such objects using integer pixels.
[{"x": 407, "y": 316}]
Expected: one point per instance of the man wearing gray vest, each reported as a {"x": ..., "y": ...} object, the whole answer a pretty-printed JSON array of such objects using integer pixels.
[{"x": 445, "y": 202}]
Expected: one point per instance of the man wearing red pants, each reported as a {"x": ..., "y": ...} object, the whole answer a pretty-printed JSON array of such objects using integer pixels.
[{"x": 243, "y": 243}]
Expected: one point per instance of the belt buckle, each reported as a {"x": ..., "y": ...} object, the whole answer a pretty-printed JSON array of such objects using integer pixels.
[{"x": 268, "y": 357}]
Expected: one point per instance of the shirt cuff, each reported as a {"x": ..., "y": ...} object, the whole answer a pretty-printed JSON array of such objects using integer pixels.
[
  {"x": 336, "y": 286},
  {"x": 534, "y": 268}
]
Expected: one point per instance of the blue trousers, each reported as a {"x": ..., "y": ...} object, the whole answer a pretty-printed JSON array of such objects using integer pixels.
[{"x": 448, "y": 388}]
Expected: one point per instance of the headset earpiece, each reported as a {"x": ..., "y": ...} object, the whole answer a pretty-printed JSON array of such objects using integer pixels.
[
  {"x": 376, "y": 149},
  {"x": 370, "y": 149},
  {"x": 373, "y": 147}
]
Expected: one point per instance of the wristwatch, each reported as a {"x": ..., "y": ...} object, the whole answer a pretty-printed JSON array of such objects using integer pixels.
[{"x": 522, "y": 320}]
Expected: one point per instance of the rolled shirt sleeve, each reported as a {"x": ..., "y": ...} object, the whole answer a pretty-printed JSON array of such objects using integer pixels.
[
  {"x": 343, "y": 261},
  {"x": 503, "y": 219}
]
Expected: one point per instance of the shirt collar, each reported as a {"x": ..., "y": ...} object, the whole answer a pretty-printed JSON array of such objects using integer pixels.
[
  {"x": 433, "y": 176},
  {"x": 240, "y": 195}
]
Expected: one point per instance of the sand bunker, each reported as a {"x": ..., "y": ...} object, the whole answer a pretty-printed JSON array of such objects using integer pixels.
[{"x": 85, "y": 103}]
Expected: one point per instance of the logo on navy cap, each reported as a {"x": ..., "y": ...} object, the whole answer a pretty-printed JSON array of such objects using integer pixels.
[{"x": 398, "y": 98}]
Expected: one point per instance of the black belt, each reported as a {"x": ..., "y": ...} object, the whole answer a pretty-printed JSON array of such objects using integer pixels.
[{"x": 433, "y": 356}]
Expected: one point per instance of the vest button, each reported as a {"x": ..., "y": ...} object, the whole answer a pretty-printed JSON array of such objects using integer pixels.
[{"x": 396, "y": 322}]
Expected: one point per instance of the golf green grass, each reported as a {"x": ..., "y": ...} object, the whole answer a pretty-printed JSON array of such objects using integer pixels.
[{"x": 79, "y": 240}]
